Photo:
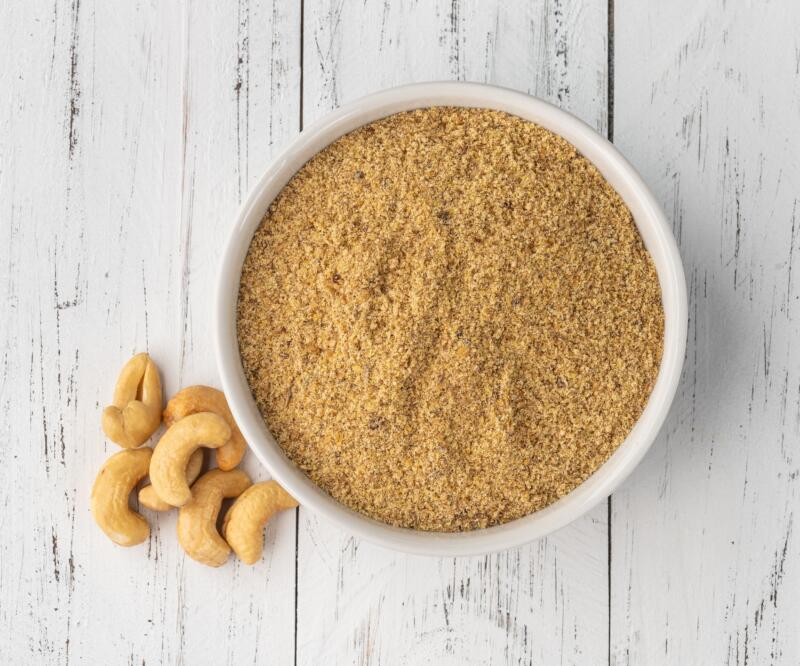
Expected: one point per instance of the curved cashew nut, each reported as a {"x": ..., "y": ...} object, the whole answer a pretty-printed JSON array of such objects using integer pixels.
[
  {"x": 171, "y": 455},
  {"x": 114, "y": 483},
  {"x": 195, "y": 399},
  {"x": 197, "y": 519},
  {"x": 135, "y": 412},
  {"x": 148, "y": 497},
  {"x": 244, "y": 522}
]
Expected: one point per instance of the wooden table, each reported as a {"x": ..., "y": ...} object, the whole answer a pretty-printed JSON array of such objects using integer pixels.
[{"x": 129, "y": 133}]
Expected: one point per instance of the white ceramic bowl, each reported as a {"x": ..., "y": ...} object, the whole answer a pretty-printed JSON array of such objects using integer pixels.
[{"x": 653, "y": 228}]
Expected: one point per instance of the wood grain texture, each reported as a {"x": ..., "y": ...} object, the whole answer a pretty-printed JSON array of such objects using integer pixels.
[
  {"x": 128, "y": 132},
  {"x": 705, "y": 565},
  {"x": 240, "y": 102},
  {"x": 544, "y": 603}
]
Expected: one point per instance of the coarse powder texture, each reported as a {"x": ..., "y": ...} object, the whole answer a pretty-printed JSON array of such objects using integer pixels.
[{"x": 448, "y": 319}]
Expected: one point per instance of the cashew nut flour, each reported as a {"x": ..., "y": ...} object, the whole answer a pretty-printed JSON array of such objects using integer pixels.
[{"x": 448, "y": 319}]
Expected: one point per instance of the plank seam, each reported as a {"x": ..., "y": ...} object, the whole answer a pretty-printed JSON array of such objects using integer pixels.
[
  {"x": 610, "y": 72},
  {"x": 297, "y": 510},
  {"x": 610, "y": 134}
]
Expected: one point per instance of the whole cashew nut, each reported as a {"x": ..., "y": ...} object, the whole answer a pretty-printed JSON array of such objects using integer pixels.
[
  {"x": 148, "y": 497},
  {"x": 245, "y": 520},
  {"x": 135, "y": 412},
  {"x": 112, "y": 487},
  {"x": 197, "y": 519},
  {"x": 171, "y": 455},
  {"x": 195, "y": 399}
]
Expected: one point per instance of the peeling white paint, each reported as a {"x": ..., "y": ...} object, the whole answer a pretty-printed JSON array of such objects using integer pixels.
[{"x": 129, "y": 132}]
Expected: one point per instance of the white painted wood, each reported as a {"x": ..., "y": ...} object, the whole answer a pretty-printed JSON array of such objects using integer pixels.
[
  {"x": 547, "y": 602},
  {"x": 128, "y": 132},
  {"x": 241, "y": 101},
  {"x": 706, "y": 551}
]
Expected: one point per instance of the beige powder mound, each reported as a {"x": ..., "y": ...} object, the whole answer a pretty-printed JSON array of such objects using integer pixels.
[{"x": 448, "y": 319}]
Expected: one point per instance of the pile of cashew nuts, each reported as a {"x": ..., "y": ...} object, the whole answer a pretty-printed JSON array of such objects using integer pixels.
[{"x": 197, "y": 418}]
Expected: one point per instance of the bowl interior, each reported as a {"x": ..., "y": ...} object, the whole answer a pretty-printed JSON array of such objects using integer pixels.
[{"x": 655, "y": 233}]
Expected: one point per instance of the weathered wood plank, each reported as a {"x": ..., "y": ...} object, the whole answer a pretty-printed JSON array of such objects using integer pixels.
[
  {"x": 241, "y": 102},
  {"x": 128, "y": 132},
  {"x": 544, "y": 603},
  {"x": 705, "y": 546},
  {"x": 90, "y": 151}
]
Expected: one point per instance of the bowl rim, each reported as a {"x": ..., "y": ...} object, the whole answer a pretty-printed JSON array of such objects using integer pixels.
[{"x": 650, "y": 221}]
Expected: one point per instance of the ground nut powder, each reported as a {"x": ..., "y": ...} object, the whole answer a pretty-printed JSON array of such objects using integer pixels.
[{"x": 448, "y": 319}]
